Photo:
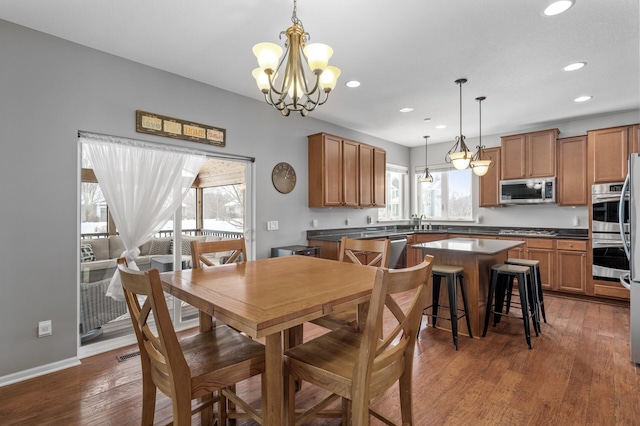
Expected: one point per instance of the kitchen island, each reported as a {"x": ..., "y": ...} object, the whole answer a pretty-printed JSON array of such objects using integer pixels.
[{"x": 476, "y": 256}]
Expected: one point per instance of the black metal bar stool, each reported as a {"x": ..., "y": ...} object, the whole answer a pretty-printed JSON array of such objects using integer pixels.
[
  {"x": 454, "y": 276},
  {"x": 502, "y": 275},
  {"x": 537, "y": 282}
]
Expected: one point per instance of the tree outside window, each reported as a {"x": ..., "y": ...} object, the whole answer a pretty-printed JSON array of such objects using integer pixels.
[{"x": 448, "y": 197}]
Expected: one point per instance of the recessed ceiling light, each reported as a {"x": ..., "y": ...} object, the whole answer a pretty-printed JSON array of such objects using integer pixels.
[
  {"x": 352, "y": 83},
  {"x": 575, "y": 66},
  {"x": 441, "y": 126},
  {"x": 427, "y": 119},
  {"x": 582, "y": 98},
  {"x": 406, "y": 109},
  {"x": 558, "y": 7}
]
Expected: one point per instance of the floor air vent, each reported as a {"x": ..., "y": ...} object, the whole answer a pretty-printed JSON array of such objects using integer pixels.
[{"x": 127, "y": 356}]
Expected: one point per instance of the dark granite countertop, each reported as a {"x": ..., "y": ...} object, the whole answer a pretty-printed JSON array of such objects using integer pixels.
[{"x": 403, "y": 230}]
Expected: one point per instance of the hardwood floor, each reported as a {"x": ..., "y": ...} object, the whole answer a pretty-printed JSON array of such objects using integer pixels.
[{"x": 578, "y": 373}]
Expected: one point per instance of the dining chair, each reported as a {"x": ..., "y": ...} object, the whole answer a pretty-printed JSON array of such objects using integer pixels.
[
  {"x": 358, "y": 365},
  {"x": 210, "y": 253},
  {"x": 191, "y": 368},
  {"x": 361, "y": 252}
]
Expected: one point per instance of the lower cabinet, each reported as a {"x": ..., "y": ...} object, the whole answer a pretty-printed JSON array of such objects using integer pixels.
[
  {"x": 571, "y": 258},
  {"x": 543, "y": 250},
  {"x": 415, "y": 256}
]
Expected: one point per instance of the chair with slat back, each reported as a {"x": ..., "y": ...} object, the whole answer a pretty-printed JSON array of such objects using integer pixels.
[
  {"x": 202, "y": 252},
  {"x": 358, "y": 365},
  {"x": 367, "y": 252},
  {"x": 194, "y": 367}
]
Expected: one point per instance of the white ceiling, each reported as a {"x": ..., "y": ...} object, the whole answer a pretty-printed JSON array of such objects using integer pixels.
[{"x": 406, "y": 53}]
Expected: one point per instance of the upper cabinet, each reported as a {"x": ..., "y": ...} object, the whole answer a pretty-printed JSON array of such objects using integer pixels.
[
  {"x": 345, "y": 173},
  {"x": 489, "y": 184},
  {"x": 572, "y": 187},
  {"x": 373, "y": 163},
  {"x": 529, "y": 155},
  {"x": 608, "y": 152}
]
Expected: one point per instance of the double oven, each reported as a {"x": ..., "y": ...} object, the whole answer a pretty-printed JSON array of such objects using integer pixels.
[{"x": 609, "y": 258}]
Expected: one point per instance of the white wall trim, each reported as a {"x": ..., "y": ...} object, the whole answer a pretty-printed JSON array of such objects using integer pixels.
[{"x": 38, "y": 371}]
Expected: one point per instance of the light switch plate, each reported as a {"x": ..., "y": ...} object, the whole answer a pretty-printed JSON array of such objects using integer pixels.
[{"x": 44, "y": 328}]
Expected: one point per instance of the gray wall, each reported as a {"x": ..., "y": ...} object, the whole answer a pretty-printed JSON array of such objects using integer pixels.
[{"x": 51, "y": 89}]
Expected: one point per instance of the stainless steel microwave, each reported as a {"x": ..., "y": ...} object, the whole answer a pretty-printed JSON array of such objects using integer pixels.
[{"x": 528, "y": 191}]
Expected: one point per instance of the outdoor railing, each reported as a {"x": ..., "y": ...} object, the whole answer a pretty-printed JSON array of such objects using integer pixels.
[{"x": 169, "y": 233}]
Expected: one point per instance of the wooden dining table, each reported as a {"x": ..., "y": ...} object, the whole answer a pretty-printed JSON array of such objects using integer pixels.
[{"x": 267, "y": 297}]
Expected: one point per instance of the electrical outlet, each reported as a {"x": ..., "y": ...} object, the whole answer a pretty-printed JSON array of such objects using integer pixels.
[
  {"x": 347, "y": 222},
  {"x": 272, "y": 225},
  {"x": 314, "y": 223},
  {"x": 44, "y": 328}
]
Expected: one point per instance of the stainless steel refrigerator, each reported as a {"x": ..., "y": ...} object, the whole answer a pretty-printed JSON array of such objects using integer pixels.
[{"x": 631, "y": 280}]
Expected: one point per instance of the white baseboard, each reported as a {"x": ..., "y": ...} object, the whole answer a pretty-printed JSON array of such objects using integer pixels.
[{"x": 38, "y": 371}]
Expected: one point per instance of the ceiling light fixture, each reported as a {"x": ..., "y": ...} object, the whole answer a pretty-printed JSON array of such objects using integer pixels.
[
  {"x": 426, "y": 176},
  {"x": 441, "y": 126},
  {"x": 294, "y": 92},
  {"x": 557, "y": 7},
  {"x": 479, "y": 164},
  {"x": 582, "y": 98},
  {"x": 407, "y": 109},
  {"x": 352, "y": 83},
  {"x": 459, "y": 154},
  {"x": 574, "y": 66}
]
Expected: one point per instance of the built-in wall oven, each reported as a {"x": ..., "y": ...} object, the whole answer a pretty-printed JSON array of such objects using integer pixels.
[{"x": 609, "y": 258}]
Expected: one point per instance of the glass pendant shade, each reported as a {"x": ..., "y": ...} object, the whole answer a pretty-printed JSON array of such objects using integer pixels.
[
  {"x": 460, "y": 159},
  {"x": 268, "y": 55},
  {"x": 480, "y": 167},
  {"x": 318, "y": 55},
  {"x": 329, "y": 78},
  {"x": 426, "y": 179}
]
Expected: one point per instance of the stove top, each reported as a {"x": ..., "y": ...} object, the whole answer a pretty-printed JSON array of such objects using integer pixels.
[{"x": 529, "y": 232}]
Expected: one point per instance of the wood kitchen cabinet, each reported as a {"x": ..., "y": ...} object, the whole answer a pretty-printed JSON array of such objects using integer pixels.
[
  {"x": 416, "y": 256},
  {"x": 345, "y": 173},
  {"x": 529, "y": 155},
  {"x": 608, "y": 151},
  {"x": 572, "y": 188},
  {"x": 571, "y": 258},
  {"x": 372, "y": 176},
  {"x": 543, "y": 250},
  {"x": 489, "y": 184}
]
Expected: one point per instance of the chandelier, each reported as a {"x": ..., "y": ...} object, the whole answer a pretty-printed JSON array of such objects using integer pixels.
[
  {"x": 426, "y": 176},
  {"x": 479, "y": 164},
  {"x": 305, "y": 80},
  {"x": 459, "y": 154}
]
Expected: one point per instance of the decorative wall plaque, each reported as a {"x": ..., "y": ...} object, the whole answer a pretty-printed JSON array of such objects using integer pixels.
[{"x": 161, "y": 125}]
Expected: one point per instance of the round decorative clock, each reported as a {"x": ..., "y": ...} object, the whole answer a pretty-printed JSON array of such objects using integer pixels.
[{"x": 283, "y": 177}]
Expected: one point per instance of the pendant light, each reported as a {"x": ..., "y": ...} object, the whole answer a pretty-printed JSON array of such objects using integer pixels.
[
  {"x": 459, "y": 154},
  {"x": 426, "y": 177},
  {"x": 479, "y": 163}
]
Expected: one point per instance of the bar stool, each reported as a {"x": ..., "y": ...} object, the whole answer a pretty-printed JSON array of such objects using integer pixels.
[
  {"x": 454, "y": 276},
  {"x": 537, "y": 282},
  {"x": 501, "y": 276}
]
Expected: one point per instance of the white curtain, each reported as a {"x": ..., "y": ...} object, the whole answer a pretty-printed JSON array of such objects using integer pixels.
[{"x": 143, "y": 185}]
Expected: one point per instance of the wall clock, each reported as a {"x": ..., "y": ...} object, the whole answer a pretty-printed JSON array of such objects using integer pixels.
[{"x": 283, "y": 177}]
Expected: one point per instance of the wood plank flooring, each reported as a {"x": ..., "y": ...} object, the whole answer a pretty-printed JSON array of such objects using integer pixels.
[{"x": 578, "y": 373}]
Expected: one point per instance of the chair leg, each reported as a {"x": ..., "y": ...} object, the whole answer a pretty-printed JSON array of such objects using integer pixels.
[
  {"x": 503, "y": 283},
  {"x": 492, "y": 289},
  {"x": 406, "y": 403},
  {"x": 524, "y": 305},
  {"x": 453, "y": 307},
  {"x": 181, "y": 409},
  {"x": 533, "y": 302},
  {"x": 540, "y": 297},
  {"x": 148, "y": 400},
  {"x": 346, "y": 411},
  {"x": 465, "y": 304},
  {"x": 435, "y": 296}
]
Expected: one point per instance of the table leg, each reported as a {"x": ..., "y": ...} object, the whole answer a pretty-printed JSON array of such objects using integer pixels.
[{"x": 273, "y": 399}]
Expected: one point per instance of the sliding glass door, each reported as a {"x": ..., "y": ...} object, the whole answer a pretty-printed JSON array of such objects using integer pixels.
[{"x": 219, "y": 205}]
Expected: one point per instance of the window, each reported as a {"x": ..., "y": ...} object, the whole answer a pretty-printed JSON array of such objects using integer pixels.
[
  {"x": 448, "y": 197},
  {"x": 396, "y": 208},
  {"x": 93, "y": 209}
]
